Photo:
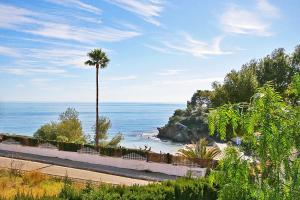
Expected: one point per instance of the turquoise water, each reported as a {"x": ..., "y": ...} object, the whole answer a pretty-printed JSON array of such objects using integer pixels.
[{"x": 137, "y": 121}]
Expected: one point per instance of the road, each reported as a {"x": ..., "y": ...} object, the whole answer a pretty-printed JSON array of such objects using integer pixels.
[
  {"x": 105, "y": 169},
  {"x": 72, "y": 173}
]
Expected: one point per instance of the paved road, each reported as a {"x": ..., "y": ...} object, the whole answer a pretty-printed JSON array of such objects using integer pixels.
[
  {"x": 70, "y": 172},
  {"x": 129, "y": 173}
]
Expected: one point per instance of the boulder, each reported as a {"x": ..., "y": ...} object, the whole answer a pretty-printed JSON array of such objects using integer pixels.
[{"x": 176, "y": 133}]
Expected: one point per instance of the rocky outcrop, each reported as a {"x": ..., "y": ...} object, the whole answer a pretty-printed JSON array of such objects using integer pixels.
[
  {"x": 181, "y": 133},
  {"x": 186, "y": 126},
  {"x": 177, "y": 133}
]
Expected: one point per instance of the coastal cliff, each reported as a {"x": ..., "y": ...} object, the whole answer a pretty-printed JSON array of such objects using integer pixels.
[{"x": 185, "y": 126}]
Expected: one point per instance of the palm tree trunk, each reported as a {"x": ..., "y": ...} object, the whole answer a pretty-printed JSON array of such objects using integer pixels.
[{"x": 97, "y": 109}]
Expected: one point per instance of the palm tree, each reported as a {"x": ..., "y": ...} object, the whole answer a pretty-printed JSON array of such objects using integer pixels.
[
  {"x": 97, "y": 58},
  {"x": 200, "y": 151}
]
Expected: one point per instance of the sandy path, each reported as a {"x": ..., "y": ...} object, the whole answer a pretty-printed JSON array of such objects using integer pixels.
[{"x": 71, "y": 172}]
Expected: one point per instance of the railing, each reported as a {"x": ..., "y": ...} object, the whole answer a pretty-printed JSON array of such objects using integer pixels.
[{"x": 126, "y": 153}]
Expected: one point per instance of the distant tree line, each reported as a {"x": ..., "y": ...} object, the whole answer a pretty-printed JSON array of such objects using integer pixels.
[
  {"x": 279, "y": 68},
  {"x": 238, "y": 86}
]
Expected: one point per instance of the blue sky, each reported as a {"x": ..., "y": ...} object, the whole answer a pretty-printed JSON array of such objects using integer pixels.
[{"x": 160, "y": 50}]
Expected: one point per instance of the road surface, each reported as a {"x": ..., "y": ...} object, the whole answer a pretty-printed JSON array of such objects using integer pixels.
[{"x": 70, "y": 172}]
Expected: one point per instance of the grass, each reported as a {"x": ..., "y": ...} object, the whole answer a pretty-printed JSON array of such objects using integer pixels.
[{"x": 36, "y": 184}]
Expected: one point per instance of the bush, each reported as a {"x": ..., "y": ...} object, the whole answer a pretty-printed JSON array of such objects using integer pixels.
[
  {"x": 181, "y": 189},
  {"x": 64, "y": 146}
]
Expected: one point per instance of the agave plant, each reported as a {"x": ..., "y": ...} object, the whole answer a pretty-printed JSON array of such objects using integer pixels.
[{"x": 200, "y": 150}]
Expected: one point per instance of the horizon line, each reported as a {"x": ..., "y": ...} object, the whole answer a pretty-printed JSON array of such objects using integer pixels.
[{"x": 145, "y": 102}]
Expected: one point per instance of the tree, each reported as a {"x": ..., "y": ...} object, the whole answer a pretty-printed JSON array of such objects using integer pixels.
[
  {"x": 200, "y": 150},
  {"x": 114, "y": 142},
  {"x": 271, "y": 126},
  {"x": 293, "y": 91},
  {"x": 67, "y": 129},
  {"x": 99, "y": 59},
  {"x": 277, "y": 68},
  {"x": 238, "y": 86},
  {"x": 233, "y": 177},
  {"x": 47, "y": 132},
  {"x": 103, "y": 125},
  {"x": 199, "y": 99}
]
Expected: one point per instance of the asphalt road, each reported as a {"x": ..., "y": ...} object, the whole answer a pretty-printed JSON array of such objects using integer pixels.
[
  {"x": 117, "y": 171},
  {"x": 72, "y": 173}
]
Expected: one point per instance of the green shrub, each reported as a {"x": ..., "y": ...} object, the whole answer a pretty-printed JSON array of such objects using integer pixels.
[
  {"x": 64, "y": 146},
  {"x": 181, "y": 189}
]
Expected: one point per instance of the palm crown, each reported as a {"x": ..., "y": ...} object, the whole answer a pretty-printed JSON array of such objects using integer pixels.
[
  {"x": 97, "y": 58},
  {"x": 200, "y": 150}
]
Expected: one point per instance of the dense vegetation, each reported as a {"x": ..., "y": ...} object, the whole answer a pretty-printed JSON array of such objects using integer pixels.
[
  {"x": 278, "y": 68},
  {"x": 180, "y": 189},
  {"x": 269, "y": 128},
  {"x": 14, "y": 182},
  {"x": 69, "y": 129}
]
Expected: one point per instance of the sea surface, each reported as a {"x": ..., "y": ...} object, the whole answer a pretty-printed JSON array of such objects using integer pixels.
[{"x": 137, "y": 122}]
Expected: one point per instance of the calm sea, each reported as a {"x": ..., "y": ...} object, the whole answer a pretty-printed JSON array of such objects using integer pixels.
[{"x": 137, "y": 121}]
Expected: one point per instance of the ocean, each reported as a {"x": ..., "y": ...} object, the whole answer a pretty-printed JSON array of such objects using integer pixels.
[{"x": 137, "y": 122}]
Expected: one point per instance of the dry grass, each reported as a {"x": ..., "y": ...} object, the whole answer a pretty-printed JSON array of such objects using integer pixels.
[{"x": 34, "y": 183}]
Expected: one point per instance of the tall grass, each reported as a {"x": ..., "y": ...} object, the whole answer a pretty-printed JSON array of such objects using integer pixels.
[{"x": 32, "y": 184}]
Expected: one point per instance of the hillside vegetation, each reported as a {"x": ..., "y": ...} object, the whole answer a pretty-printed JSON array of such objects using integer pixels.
[{"x": 278, "y": 68}]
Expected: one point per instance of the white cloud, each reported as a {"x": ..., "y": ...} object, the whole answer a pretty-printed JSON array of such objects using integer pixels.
[
  {"x": 158, "y": 49},
  {"x": 120, "y": 78},
  {"x": 239, "y": 21},
  {"x": 20, "y": 85},
  {"x": 25, "y": 70},
  {"x": 251, "y": 22},
  {"x": 197, "y": 48},
  {"x": 39, "y": 80},
  {"x": 267, "y": 8},
  {"x": 11, "y": 17},
  {"x": 190, "y": 81},
  {"x": 90, "y": 19},
  {"x": 171, "y": 72},
  {"x": 148, "y": 10},
  {"x": 77, "y": 4},
  {"x": 7, "y": 51},
  {"x": 67, "y": 32},
  {"x": 17, "y": 18}
]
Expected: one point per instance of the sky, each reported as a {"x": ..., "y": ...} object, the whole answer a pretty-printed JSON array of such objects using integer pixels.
[{"x": 159, "y": 50}]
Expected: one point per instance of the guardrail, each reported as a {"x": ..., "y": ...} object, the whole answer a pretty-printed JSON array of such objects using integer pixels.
[{"x": 121, "y": 152}]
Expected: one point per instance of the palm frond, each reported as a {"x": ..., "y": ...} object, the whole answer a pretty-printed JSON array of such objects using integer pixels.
[
  {"x": 115, "y": 141},
  {"x": 89, "y": 62},
  {"x": 97, "y": 57},
  {"x": 200, "y": 150}
]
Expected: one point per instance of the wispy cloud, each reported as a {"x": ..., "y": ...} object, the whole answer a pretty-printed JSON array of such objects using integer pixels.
[
  {"x": 120, "y": 78},
  {"x": 11, "y": 16},
  {"x": 197, "y": 48},
  {"x": 7, "y": 51},
  {"x": 170, "y": 72},
  {"x": 267, "y": 8},
  {"x": 158, "y": 49},
  {"x": 148, "y": 10},
  {"x": 25, "y": 20},
  {"x": 67, "y": 32},
  {"x": 26, "y": 71},
  {"x": 190, "y": 81},
  {"x": 237, "y": 20},
  {"x": 77, "y": 4}
]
